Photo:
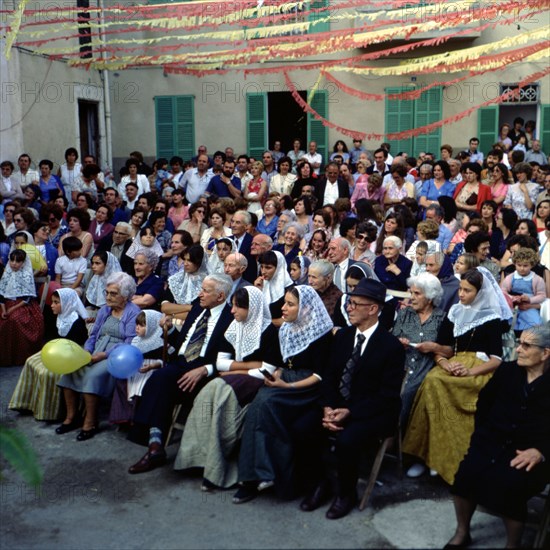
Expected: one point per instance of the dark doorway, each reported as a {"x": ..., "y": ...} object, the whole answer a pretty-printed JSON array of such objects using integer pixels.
[
  {"x": 286, "y": 120},
  {"x": 88, "y": 121}
]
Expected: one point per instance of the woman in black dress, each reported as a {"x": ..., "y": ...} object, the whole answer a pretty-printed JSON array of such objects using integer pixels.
[
  {"x": 266, "y": 456},
  {"x": 507, "y": 462}
]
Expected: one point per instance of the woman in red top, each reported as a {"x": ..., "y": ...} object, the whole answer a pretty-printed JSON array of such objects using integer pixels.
[{"x": 470, "y": 194}]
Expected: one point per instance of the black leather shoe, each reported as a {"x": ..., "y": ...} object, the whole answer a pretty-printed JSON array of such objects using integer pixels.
[
  {"x": 464, "y": 544},
  {"x": 149, "y": 461},
  {"x": 315, "y": 499},
  {"x": 340, "y": 507},
  {"x": 247, "y": 492},
  {"x": 84, "y": 435},
  {"x": 66, "y": 428}
]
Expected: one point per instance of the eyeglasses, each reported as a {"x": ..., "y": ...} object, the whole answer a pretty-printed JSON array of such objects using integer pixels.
[
  {"x": 111, "y": 293},
  {"x": 18, "y": 220},
  {"x": 361, "y": 238},
  {"x": 352, "y": 304},
  {"x": 9, "y": 211},
  {"x": 527, "y": 346}
]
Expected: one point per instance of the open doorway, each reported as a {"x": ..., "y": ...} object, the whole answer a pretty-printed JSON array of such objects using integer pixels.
[
  {"x": 88, "y": 120},
  {"x": 286, "y": 120}
]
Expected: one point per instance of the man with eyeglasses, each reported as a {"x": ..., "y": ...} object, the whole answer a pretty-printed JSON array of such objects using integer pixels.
[
  {"x": 9, "y": 188},
  {"x": 118, "y": 243},
  {"x": 360, "y": 401},
  {"x": 269, "y": 167}
]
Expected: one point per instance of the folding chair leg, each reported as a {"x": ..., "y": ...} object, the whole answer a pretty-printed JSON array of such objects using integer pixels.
[{"x": 374, "y": 472}]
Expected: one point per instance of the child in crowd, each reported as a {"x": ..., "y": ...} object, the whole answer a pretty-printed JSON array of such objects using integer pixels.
[
  {"x": 71, "y": 268},
  {"x": 224, "y": 247},
  {"x": 163, "y": 175},
  {"x": 464, "y": 263},
  {"x": 145, "y": 239},
  {"x": 419, "y": 264},
  {"x": 525, "y": 287},
  {"x": 149, "y": 340},
  {"x": 299, "y": 269}
]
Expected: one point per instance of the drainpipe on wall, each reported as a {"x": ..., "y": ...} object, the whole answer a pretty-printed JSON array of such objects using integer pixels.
[{"x": 106, "y": 94}]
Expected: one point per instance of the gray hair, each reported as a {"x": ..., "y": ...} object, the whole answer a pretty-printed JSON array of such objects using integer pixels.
[
  {"x": 396, "y": 241},
  {"x": 540, "y": 334},
  {"x": 429, "y": 285},
  {"x": 241, "y": 258},
  {"x": 438, "y": 256},
  {"x": 151, "y": 258},
  {"x": 324, "y": 267},
  {"x": 247, "y": 218},
  {"x": 299, "y": 228},
  {"x": 222, "y": 282},
  {"x": 126, "y": 226},
  {"x": 125, "y": 283},
  {"x": 439, "y": 212}
]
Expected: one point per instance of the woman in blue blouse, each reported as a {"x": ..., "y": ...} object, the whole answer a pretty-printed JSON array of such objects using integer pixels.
[
  {"x": 50, "y": 185},
  {"x": 437, "y": 187}
]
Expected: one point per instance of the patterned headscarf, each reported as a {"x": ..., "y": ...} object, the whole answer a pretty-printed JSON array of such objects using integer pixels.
[
  {"x": 185, "y": 287},
  {"x": 245, "y": 337},
  {"x": 16, "y": 284},
  {"x": 153, "y": 338},
  {"x": 488, "y": 304},
  {"x": 71, "y": 309},
  {"x": 96, "y": 286},
  {"x": 275, "y": 288},
  {"x": 136, "y": 247},
  {"x": 313, "y": 321}
]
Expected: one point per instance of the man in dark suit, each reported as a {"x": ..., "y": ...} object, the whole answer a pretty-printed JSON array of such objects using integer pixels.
[
  {"x": 360, "y": 398},
  {"x": 190, "y": 367},
  {"x": 118, "y": 243},
  {"x": 239, "y": 225},
  {"x": 330, "y": 187}
]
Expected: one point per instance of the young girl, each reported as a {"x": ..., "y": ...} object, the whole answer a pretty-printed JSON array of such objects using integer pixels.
[
  {"x": 145, "y": 240},
  {"x": 184, "y": 286},
  {"x": 37, "y": 390},
  {"x": 299, "y": 268},
  {"x": 149, "y": 341},
  {"x": 25, "y": 241},
  {"x": 317, "y": 247},
  {"x": 419, "y": 264},
  {"x": 103, "y": 265},
  {"x": 21, "y": 321},
  {"x": 71, "y": 267},
  {"x": 525, "y": 287},
  {"x": 224, "y": 247},
  {"x": 464, "y": 263}
]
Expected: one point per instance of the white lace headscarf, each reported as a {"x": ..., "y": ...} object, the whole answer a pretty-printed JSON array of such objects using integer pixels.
[
  {"x": 313, "y": 321},
  {"x": 153, "y": 338},
  {"x": 488, "y": 304},
  {"x": 16, "y": 284},
  {"x": 185, "y": 287},
  {"x": 275, "y": 288},
  {"x": 95, "y": 290},
  {"x": 136, "y": 247},
  {"x": 214, "y": 264},
  {"x": 71, "y": 309},
  {"x": 245, "y": 337}
]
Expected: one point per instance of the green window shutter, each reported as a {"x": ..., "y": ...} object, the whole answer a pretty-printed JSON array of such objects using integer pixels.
[
  {"x": 322, "y": 26},
  {"x": 256, "y": 124},
  {"x": 164, "y": 118},
  {"x": 315, "y": 129},
  {"x": 175, "y": 126},
  {"x": 185, "y": 127},
  {"x": 544, "y": 133},
  {"x": 399, "y": 117},
  {"x": 487, "y": 127},
  {"x": 427, "y": 109}
]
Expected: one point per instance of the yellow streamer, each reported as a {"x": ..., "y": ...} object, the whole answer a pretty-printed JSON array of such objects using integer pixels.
[{"x": 14, "y": 25}]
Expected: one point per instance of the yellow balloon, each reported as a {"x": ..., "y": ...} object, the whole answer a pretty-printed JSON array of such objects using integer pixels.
[
  {"x": 38, "y": 262},
  {"x": 63, "y": 356}
]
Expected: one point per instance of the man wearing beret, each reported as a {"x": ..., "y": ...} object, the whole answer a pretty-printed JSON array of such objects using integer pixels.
[{"x": 360, "y": 399}]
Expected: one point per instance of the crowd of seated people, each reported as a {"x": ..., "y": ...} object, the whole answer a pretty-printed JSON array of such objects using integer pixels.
[{"x": 323, "y": 302}]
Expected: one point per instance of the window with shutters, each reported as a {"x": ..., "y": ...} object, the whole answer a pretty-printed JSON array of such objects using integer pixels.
[
  {"x": 175, "y": 126},
  {"x": 407, "y": 114}
]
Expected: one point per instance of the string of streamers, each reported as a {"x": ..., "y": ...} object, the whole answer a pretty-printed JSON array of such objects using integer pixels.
[{"x": 413, "y": 132}]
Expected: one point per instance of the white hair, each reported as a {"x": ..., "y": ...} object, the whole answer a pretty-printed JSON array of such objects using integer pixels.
[
  {"x": 429, "y": 285},
  {"x": 126, "y": 285},
  {"x": 396, "y": 241},
  {"x": 298, "y": 226},
  {"x": 150, "y": 257},
  {"x": 323, "y": 267},
  {"x": 222, "y": 282}
]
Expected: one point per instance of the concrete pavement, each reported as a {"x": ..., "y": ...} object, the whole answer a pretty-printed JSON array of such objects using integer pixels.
[{"x": 88, "y": 501}]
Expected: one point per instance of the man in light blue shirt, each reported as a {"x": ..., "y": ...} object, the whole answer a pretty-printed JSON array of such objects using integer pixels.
[
  {"x": 475, "y": 155},
  {"x": 195, "y": 181}
]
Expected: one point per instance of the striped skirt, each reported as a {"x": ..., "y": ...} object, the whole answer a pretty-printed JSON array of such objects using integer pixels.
[{"x": 37, "y": 391}]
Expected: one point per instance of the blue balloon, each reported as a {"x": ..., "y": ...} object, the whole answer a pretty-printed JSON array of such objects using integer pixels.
[{"x": 124, "y": 361}]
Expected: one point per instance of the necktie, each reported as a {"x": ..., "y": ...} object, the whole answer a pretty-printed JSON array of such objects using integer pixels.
[
  {"x": 337, "y": 278},
  {"x": 196, "y": 342},
  {"x": 349, "y": 369}
]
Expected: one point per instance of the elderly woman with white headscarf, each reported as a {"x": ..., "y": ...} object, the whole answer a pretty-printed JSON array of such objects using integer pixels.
[
  {"x": 36, "y": 389},
  {"x": 267, "y": 453},
  {"x": 469, "y": 351},
  {"x": 214, "y": 426}
]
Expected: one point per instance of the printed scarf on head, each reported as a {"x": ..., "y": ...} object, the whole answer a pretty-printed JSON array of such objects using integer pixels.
[{"x": 16, "y": 284}]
